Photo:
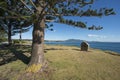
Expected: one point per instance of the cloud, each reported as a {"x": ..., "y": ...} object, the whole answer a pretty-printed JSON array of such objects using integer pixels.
[
  {"x": 54, "y": 30},
  {"x": 96, "y": 36},
  {"x": 92, "y": 35}
]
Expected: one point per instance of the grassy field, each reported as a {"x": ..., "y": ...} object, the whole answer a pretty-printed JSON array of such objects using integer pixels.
[{"x": 65, "y": 63}]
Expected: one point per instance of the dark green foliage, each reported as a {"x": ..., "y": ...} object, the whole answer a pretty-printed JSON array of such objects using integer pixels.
[
  {"x": 78, "y": 24},
  {"x": 93, "y": 27},
  {"x": 54, "y": 9}
]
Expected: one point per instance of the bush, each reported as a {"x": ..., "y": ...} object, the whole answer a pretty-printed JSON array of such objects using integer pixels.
[
  {"x": 3, "y": 39},
  {"x": 18, "y": 41}
]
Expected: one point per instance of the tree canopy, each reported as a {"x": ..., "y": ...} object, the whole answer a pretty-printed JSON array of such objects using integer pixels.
[{"x": 53, "y": 10}]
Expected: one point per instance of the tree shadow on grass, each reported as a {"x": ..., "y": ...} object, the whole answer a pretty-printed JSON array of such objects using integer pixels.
[
  {"x": 48, "y": 49},
  {"x": 19, "y": 54},
  {"x": 79, "y": 50},
  {"x": 13, "y": 53},
  {"x": 76, "y": 49}
]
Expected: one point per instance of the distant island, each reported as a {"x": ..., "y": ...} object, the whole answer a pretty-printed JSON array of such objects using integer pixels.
[{"x": 69, "y": 40}]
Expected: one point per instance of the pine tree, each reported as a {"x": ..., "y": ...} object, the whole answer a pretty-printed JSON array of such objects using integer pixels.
[
  {"x": 12, "y": 25},
  {"x": 54, "y": 10}
]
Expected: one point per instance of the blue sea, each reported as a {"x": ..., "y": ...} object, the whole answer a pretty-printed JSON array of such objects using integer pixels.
[{"x": 111, "y": 46}]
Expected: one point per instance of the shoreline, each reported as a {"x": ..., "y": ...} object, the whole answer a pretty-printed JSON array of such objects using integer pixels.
[
  {"x": 90, "y": 47},
  {"x": 106, "y": 51}
]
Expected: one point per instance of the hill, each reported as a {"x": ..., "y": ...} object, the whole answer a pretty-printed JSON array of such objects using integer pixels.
[{"x": 74, "y": 40}]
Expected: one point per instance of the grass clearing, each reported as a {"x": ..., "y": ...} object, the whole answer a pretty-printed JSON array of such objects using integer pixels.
[{"x": 67, "y": 63}]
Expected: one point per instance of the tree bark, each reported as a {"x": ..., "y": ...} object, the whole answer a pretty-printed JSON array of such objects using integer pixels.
[
  {"x": 37, "y": 62},
  {"x": 20, "y": 36},
  {"x": 9, "y": 35},
  {"x": 37, "y": 56}
]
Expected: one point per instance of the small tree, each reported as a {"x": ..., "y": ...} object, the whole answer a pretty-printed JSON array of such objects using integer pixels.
[
  {"x": 41, "y": 9},
  {"x": 9, "y": 22},
  {"x": 20, "y": 27}
]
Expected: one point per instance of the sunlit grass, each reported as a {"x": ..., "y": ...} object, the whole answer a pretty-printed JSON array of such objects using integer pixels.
[
  {"x": 73, "y": 64},
  {"x": 66, "y": 63}
]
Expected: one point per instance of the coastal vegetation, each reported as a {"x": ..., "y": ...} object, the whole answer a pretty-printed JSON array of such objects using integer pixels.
[{"x": 65, "y": 63}]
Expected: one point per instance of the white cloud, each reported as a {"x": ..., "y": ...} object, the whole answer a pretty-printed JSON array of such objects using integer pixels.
[
  {"x": 96, "y": 36},
  {"x": 92, "y": 35},
  {"x": 54, "y": 30}
]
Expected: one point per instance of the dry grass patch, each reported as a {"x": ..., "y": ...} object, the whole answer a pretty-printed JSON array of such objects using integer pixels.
[{"x": 73, "y": 64}]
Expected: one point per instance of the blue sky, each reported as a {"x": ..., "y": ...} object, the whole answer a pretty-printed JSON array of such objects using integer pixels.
[{"x": 110, "y": 32}]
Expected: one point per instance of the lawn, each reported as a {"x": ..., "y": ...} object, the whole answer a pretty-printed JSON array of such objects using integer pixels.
[{"x": 64, "y": 63}]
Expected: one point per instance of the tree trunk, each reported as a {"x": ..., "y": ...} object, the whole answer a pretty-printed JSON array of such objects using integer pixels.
[
  {"x": 20, "y": 36},
  {"x": 9, "y": 35},
  {"x": 37, "y": 56}
]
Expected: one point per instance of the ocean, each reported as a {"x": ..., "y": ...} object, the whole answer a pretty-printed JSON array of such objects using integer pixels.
[{"x": 110, "y": 46}]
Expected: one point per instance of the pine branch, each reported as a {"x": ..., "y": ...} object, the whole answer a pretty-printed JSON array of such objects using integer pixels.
[
  {"x": 79, "y": 24},
  {"x": 9, "y": 11},
  {"x": 15, "y": 17},
  {"x": 33, "y": 4},
  {"x": 26, "y": 5}
]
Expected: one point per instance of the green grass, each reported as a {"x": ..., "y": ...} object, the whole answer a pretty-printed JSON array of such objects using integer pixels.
[{"x": 66, "y": 63}]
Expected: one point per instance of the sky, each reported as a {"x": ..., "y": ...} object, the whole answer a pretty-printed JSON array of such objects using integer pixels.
[{"x": 109, "y": 33}]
